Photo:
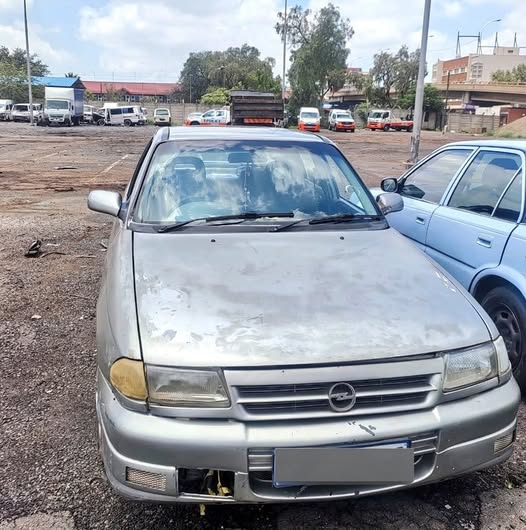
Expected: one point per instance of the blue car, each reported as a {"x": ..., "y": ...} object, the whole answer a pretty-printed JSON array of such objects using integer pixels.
[{"x": 464, "y": 206}]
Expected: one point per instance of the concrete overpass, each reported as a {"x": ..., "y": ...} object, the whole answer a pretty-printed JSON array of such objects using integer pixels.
[{"x": 485, "y": 94}]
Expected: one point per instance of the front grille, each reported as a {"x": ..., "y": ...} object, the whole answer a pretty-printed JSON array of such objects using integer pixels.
[{"x": 373, "y": 396}]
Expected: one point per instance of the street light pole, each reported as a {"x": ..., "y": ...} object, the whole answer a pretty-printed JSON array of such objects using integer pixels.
[
  {"x": 28, "y": 60},
  {"x": 479, "y": 46},
  {"x": 419, "y": 99},
  {"x": 283, "y": 82}
]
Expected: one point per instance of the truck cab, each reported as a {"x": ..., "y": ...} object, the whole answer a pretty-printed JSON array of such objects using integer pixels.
[{"x": 63, "y": 106}]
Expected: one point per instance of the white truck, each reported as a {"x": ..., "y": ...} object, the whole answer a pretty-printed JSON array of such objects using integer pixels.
[
  {"x": 5, "y": 109},
  {"x": 63, "y": 106}
]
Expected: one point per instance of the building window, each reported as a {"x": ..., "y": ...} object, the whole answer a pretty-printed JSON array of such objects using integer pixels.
[{"x": 476, "y": 70}]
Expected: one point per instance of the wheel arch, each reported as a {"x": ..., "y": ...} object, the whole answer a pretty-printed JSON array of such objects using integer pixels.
[{"x": 483, "y": 285}]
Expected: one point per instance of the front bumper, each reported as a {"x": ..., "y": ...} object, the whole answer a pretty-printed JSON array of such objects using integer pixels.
[
  {"x": 373, "y": 125},
  {"x": 464, "y": 434},
  {"x": 309, "y": 127},
  {"x": 345, "y": 127}
]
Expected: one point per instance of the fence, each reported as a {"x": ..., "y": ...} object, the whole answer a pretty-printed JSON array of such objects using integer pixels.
[
  {"x": 179, "y": 111},
  {"x": 472, "y": 123}
]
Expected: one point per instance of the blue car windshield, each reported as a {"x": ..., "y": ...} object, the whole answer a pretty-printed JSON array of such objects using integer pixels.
[{"x": 194, "y": 179}]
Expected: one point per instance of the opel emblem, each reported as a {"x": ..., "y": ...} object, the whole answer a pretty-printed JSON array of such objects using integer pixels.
[{"x": 342, "y": 397}]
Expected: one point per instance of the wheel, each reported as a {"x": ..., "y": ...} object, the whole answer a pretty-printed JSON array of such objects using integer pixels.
[
  {"x": 386, "y": 128},
  {"x": 70, "y": 123},
  {"x": 194, "y": 123},
  {"x": 507, "y": 309},
  {"x": 101, "y": 121},
  {"x": 127, "y": 123},
  {"x": 409, "y": 129},
  {"x": 352, "y": 130}
]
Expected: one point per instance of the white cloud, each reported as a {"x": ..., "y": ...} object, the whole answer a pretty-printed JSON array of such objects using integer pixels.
[
  {"x": 453, "y": 9},
  {"x": 13, "y": 36},
  {"x": 13, "y": 5},
  {"x": 153, "y": 39},
  {"x": 157, "y": 36}
]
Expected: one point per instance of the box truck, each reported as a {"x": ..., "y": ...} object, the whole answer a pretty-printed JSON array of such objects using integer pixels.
[{"x": 63, "y": 106}]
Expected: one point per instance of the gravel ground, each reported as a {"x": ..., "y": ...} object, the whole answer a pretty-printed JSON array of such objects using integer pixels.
[{"x": 51, "y": 477}]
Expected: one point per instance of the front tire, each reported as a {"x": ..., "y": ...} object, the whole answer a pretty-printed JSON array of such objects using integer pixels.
[
  {"x": 386, "y": 128},
  {"x": 127, "y": 123},
  {"x": 507, "y": 308}
]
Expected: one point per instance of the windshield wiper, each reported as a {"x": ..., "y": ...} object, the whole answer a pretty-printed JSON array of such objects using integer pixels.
[
  {"x": 231, "y": 217},
  {"x": 344, "y": 218}
]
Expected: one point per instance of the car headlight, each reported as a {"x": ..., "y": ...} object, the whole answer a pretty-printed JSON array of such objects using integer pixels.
[
  {"x": 186, "y": 388},
  {"x": 503, "y": 359},
  {"x": 127, "y": 376},
  {"x": 469, "y": 367}
]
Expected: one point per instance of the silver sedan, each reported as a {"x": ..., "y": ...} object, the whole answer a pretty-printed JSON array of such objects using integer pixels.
[{"x": 264, "y": 336}]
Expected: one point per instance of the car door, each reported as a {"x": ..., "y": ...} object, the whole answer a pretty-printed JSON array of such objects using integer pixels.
[
  {"x": 423, "y": 187},
  {"x": 470, "y": 231}
]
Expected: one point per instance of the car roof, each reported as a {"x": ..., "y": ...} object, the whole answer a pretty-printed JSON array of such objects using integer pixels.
[
  {"x": 235, "y": 133},
  {"x": 514, "y": 144}
]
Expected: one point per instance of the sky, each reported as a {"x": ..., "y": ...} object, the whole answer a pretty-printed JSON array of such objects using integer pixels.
[{"x": 149, "y": 40}]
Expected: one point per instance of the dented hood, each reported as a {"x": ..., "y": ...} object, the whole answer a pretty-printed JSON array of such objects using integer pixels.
[{"x": 259, "y": 299}]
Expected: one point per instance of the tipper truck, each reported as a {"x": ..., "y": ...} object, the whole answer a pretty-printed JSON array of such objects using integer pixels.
[
  {"x": 256, "y": 108},
  {"x": 63, "y": 106}
]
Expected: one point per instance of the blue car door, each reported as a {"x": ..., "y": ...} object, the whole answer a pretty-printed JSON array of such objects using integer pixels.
[
  {"x": 422, "y": 189},
  {"x": 470, "y": 231}
]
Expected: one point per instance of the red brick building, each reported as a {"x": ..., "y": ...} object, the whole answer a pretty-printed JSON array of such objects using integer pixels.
[{"x": 133, "y": 91}]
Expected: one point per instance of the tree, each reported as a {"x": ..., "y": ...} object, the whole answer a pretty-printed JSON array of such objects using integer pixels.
[
  {"x": 216, "y": 96},
  {"x": 433, "y": 101},
  {"x": 71, "y": 74},
  {"x": 319, "y": 52},
  {"x": 235, "y": 67},
  {"x": 397, "y": 71},
  {"x": 17, "y": 59},
  {"x": 515, "y": 75},
  {"x": 13, "y": 75}
]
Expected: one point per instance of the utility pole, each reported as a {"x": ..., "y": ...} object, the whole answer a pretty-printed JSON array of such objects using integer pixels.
[
  {"x": 447, "y": 103},
  {"x": 419, "y": 99},
  {"x": 28, "y": 60},
  {"x": 283, "y": 82}
]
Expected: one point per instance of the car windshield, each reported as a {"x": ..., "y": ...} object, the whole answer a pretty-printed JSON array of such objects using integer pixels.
[
  {"x": 376, "y": 114},
  {"x": 21, "y": 108},
  {"x": 309, "y": 115},
  {"x": 343, "y": 116},
  {"x": 161, "y": 112},
  {"x": 199, "y": 179},
  {"x": 57, "y": 104}
]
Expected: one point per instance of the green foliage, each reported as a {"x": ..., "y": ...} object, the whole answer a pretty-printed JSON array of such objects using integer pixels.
[
  {"x": 433, "y": 101},
  {"x": 361, "y": 111},
  {"x": 515, "y": 75},
  {"x": 234, "y": 67},
  {"x": 13, "y": 75},
  {"x": 71, "y": 74},
  {"x": 216, "y": 96},
  {"x": 319, "y": 52}
]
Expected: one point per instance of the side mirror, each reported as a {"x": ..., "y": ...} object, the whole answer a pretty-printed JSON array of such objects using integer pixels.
[
  {"x": 390, "y": 185},
  {"x": 390, "y": 203},
  {"x": 105, "y": 202}
]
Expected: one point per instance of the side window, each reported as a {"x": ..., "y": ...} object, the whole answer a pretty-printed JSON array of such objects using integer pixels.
[
  {"x": 430, "y": 180},
  {"x": 509, "y": 206},
  {"x": 484, "y": 181}
]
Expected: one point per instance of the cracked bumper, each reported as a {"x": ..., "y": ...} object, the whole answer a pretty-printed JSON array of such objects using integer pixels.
[{"x": 466, "y": 431}]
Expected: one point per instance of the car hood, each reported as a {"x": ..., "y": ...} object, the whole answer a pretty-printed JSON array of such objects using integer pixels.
[{"x": 259, "y": 299}]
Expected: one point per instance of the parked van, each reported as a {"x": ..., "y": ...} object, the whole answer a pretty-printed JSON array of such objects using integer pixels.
[
  {"x": 309, "y": 119},
  {"x": 341, "y": 120},
  {"x": 162, "y": 116},
  {"x": 5, "y": 109},
  {"x": 20, "y": 112},
  {"x": 126, "y": 116}
]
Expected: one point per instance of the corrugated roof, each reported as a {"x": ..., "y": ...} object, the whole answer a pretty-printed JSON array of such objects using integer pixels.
[
  {"x": 62, "y": 82},
  {"x": 132, "y": 88}
]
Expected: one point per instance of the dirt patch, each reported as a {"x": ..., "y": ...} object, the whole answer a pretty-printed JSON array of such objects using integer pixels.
[{"x": 516, "y": 129}]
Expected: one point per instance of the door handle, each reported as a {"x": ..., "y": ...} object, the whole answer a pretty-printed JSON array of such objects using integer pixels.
[
  {"x": 484, "y": 242},
  {"x": 420, "y": 220}
]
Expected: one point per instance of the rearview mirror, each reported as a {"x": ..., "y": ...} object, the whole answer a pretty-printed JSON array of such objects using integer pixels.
[
  {"x": 390, "y": 203},
  {"x": 105, "y": 202},
  {"x": 389, "y": 185}
]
